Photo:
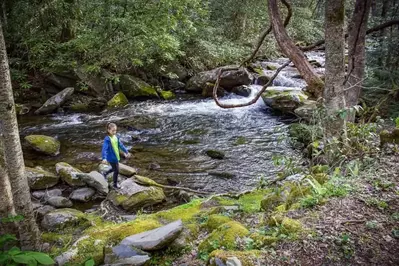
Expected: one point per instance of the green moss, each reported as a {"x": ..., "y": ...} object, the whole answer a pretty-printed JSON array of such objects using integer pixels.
[
  {"x": 249, "y": 203},
  {"x": 119, "y": 100},
  {"x": 79, "y": 107},
  {"x": 263, "y": 240},
  {"x": 145, "y": 181},
  {"x": 271, "y": 201},
  {"x": 216, "y": 220},
  {"x": 321, "y": 178},
  {"x": 290, "y": 226},
  {"x": 224, "y": 236},
  {"x": 44, "y": 144},
  {"x": 40, "y": 179},
  {"x": 214, "y": 154},
  {"x": 247, "y": 258},
  {"x": 66, "y": 172},
  {"x": 186, "y": 212},
  {"x": 271, "y": 67},
  {"x": 150, "y": 196},
  {"x": 134, "y": 87},
  {"x": 167, "y": 95}
]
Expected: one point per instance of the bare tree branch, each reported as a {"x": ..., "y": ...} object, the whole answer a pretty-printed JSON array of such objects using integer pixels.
[{"x": 257, "y": 96}]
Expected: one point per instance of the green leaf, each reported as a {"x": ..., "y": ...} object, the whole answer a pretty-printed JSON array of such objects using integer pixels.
[
  {"x": 89, "y": 262},
  {"x": 42, "y": 258},
  {"x": 6, "y": 238},
  {"x": 14, "y": 251},
  {"x": 24, "y": 259}
]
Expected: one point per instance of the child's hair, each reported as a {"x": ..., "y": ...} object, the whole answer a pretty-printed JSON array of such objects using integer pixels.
[{"x": 110, "y": 125}]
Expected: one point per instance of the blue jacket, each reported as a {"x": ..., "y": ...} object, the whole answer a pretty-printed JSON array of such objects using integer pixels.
[{"x": 108, "y": 152}]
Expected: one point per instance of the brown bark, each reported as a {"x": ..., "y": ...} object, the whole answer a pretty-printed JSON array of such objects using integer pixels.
[
  {"x": 335, "y": 55},
  {"x": 15, "y": 167},
  {"x": 267, "y": 31},
  {"x": 315, "y": 84},
  {"x": 356, "y": 51}
]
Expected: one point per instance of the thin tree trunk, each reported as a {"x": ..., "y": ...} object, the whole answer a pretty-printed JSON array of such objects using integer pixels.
[
  {"x": 315, "y": 84},
  {"x": 335, "y": 55},
  {"x": 357, "y": 52},
  {"x": 28, "y": 230}
]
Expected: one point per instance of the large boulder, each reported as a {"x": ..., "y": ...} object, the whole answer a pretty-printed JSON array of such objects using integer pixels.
[
  {"x": 228, "y": 81},
  {"x": 95, "y": 180},
  {"x": 132, "y": 196},
  {"x": 156, "y": 239},
  {"x": 242, "y": 90},
  {"x": 54, "y": 102},
  {"x": 62, "y": 218},
  {"x": 40, "y": 179},
  {"x": 63, "y": 80},
  {"x": 119, "y": 100},
  {"x": 284, "y": 99},
  {"x": 100, "y": 84},
  {"x": 126, "y": 170},
  {"x": 69, "y": 174},
  {"x": 135, "y": 88},
  {"x": 125, "y": 255},
  {"x": 82, "y": 194},
  {"x": 44, "y": 144},
  {"x": 59, "y": 202}
]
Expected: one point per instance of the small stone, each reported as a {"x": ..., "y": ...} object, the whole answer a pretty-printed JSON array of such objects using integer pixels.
[
  {"x": 82, "y": 194},
  {"x": 233, "y": 261},
  {"x": 59, "y": 202}
]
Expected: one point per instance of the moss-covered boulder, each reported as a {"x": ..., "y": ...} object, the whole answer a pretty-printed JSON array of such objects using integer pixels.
[
  {"x": 119, "y": 100},
  {"x": 216, "y": 220},
  {"x": 286, "y": 225},
  {"x": 167, "y": 95},
  {"x": 63, "y": 218},
  {"x": 135, "y": 88},
  {"x": 224, "y": 236},
  {"x": 284, "y": 99},
  {"x": 243, "y": 258},
  {"x": 214, "y": 154},
  {"x": 69, "y": 174},
  {"x": 40, "y": 179},
  {"x": 44, "y": 144},
  {"x": 132, "y": 196}
]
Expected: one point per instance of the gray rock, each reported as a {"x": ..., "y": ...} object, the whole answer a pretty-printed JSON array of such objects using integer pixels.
[
  {"x": 44, "y": 144},
  {"x": 66, "y": 257},
  {"x": 40, "y": 179},
  {"x": 59, "y": 202},
  {"x": 126, "y": 255},
  {"x": 42, "y": 211},
  {"x": 69, "y": 174},
  {"x": 42, "y": 194},
  {"x": 95, "y": 180},
  {"x": 229, "y": 79},
  {"x": 126, "y": 170},
  {"x": 175, "y": 85},
  {"x": 156, "y": 239},
  {"x": 55, "y": 102},
  {"x": 62, "y": 218},
  {"x": 233, "y": 261},
  {"x": 82, "y": 194},
  {"x": 99, "y": 84},
  {"x": 63, "y": 80},
  {"x": 243, "y": 90}
]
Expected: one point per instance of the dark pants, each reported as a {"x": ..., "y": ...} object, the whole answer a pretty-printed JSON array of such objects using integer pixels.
[{"x": 115, "y": 169}]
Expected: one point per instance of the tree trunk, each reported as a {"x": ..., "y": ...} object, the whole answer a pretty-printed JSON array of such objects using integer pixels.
[
  {"x": 6, "y": 202},
  {"x": 315, "y": 84},
  {"x": 357, "y": 52},
  {"x": 4, "y": 13},
  {"x": 335, "y": 55},
  {"x": 28, "y": 230}
]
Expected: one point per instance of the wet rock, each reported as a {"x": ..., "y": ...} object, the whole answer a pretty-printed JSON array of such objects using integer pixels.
[
  {"x": 43, "y": 194},
  {"x": 43, "y": 210},
  {"x": 214, "y": 154},
  {"x": 44, "y": 144},
  {"x": 284, "y": 99},
  {"x": 135, "y": 88},
  {"x": 97, "y": 104},
  {"x": 207, "y": 90},
  {"x": 125, "y": 255},
  {"x": 228, "y": 81},
  {"x": 156, "y": 239},
  {"x": 126, "y": 170},
  {"x": 119, "y": 100},
  {"x": 95, "y": 180},
  {"x": 40, "y": 179},
  {"x": 262, "y": 80},
  {"x": 69, "y": 174},
  {"x": 55, "y": 102},
  {"x": 132, "y": 196},
  {"x": 243, "y": 90},
  {"x": 59, "y": 202},
  {"x": 82, "y": 194},
  {"x": 167, "y": 95},
  {"x": 154, "y": 166},
  {"x": 226, "y": 175},
  {"x": 62, "y": 218}
]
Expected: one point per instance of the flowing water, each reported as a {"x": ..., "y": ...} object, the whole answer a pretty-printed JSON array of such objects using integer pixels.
[{"x": 168, "y": 139}]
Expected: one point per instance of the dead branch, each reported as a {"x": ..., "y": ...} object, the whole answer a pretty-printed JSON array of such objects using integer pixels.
[
  {"x": 369, "y": 31},
  {"x": 255, "y": 99},
  {"x": 266, "y": 32}
]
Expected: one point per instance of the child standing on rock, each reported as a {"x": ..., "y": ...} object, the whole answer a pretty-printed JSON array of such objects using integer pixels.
[{"x": 111, "y": 150}]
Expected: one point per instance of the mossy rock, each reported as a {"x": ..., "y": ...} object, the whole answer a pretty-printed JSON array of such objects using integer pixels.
[
  {"x": 216, "y": 220},
  {"x": 145, "y": 181},
  {"x": 224, "y": 236},
  {"x": 63, "y": 218},
  {"x": 135, "y": 88},
  {"x": 284, "y": 99},
  {"x": 214, "y": 154},
  {"x": 287, "y": 225},
  {"x": 247, "y": 258},
  {"x": 40, "y": 179},
  {"x": 263, "y": 240},
  {"x": 69, "y": 175},
  {"x": 119, "y": 100},
  {"x": 79, "y": 107},
  {"x": 167, "y": 95},
  {"x": 44, "y": 144}
]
